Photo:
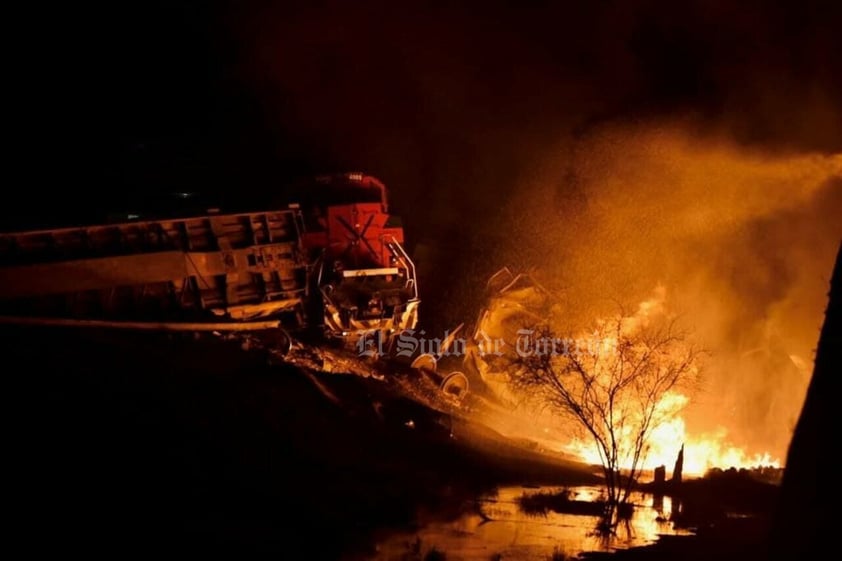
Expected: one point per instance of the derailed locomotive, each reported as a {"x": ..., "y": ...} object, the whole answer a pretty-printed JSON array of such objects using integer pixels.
[{"x": 331, "y": 261}]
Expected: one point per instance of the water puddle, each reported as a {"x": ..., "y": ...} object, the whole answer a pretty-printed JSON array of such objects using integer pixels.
[{"x": 500, "y": 527}]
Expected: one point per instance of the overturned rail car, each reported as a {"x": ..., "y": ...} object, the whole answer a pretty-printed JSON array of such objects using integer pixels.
[{"x": 334, "y": 263}]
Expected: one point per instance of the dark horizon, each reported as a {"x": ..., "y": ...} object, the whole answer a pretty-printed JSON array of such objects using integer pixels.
[{"x": 215, "y": 96}]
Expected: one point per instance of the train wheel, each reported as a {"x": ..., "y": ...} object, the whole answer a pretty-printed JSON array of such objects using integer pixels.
[
  {"x": 277, "y": 340},
  {"x": 455, "y": 384},
  {"x": 426, "y": 363}
]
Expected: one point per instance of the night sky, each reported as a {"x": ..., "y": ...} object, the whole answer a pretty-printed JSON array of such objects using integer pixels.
[
  {"x": 447, "y": 103},
  {"x": 158, "y": 95}
]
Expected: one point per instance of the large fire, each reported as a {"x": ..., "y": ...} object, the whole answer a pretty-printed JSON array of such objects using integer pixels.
[
  {"x": 666, "y": 437},
  {"x": 701, "y": 451},
  {"x": 743, "y": 239}
]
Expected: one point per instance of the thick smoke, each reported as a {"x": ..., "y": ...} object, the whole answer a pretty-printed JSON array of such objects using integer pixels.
[
  {"x": 743, "y": 241},
  {"x": 545, "y": 135}
]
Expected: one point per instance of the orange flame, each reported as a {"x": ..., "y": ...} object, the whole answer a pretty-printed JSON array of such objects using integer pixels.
[{"x": 702, "y": 451}]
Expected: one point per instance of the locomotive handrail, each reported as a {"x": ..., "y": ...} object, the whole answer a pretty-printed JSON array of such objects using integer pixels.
[{"x": 410, "y": 266}]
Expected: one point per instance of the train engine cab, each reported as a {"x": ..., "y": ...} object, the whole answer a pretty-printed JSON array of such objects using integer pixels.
[{"x": 364, "y": 278}]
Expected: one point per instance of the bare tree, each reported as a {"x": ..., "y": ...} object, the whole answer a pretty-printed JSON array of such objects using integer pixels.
[{"x": 612, "y": 384}]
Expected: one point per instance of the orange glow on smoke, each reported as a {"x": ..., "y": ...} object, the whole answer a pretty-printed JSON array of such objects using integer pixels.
[{"x": 743, "y": 239}]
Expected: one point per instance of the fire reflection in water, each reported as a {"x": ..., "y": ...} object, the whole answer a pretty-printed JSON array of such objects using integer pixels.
[{"x": 500, "y": 527}]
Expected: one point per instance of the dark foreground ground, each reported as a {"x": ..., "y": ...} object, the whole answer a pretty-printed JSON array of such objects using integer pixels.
[{"x": 138, "y": 444}]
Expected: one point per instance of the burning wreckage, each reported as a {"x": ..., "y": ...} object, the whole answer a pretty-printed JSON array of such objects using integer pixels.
[
  {"x": 323, "y": 282},
  {"x": 311, "y": 282},
  {"x": 337, "y": 267}
]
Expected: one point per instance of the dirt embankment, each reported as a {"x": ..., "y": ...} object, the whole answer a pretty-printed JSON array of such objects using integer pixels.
[{"x": 139, "y": 443}]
